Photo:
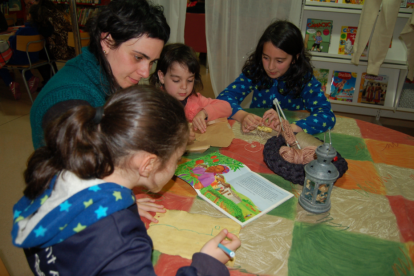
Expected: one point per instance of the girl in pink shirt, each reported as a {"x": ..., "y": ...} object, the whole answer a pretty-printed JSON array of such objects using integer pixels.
[{"x": 178, "y": 73}]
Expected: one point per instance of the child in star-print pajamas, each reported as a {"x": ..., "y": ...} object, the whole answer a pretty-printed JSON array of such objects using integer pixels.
[
  {"x": 78, "y": 215},
  {"x": 280, "y": 68}
]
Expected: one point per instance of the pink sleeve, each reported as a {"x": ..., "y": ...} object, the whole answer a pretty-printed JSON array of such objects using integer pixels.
[{"x": 214, "y": 108}]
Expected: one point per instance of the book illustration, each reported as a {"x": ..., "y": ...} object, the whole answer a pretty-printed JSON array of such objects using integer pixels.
[
  {"x": 373, "y": 89},
  {"x": 347, "y": 40},
  {"x": 403, "y": 4},
  {"x": 343, "y": 86},
  {"x": 15, "y": 5},
  {"x": 322, "y": 76},
  {"x": 231, "y": 187},
  {"x": 318, "y": 35}
]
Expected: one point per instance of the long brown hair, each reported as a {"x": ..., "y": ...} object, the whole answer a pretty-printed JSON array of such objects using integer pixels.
[
  {"x": 183, "y": 55},
  {"x": 137, "y": 118},
  {"x": 287, "y": 37}
]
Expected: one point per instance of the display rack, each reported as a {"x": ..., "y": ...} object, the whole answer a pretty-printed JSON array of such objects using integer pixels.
[{"x": 394, "y": 66}]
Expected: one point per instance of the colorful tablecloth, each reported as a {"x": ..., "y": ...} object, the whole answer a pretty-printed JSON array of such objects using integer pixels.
[{"x": 368, "y": 231}]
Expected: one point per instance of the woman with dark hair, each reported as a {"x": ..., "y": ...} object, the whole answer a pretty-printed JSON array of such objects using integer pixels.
[
  {"x": 126, "y": 38},
  {"x": 78, "y": 215},
  {"x": 280, "y": 68}
]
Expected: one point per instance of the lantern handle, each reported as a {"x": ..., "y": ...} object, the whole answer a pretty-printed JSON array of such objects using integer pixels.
[{"x": 330, "y": 139}]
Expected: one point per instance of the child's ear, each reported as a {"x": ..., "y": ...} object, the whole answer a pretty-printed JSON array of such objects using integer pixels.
[
  {"x": 144, "y": 163},
  {"x": 161, "y": 76}
]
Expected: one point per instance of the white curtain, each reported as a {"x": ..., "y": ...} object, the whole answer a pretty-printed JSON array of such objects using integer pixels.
[
  {"x": 233, "y": 28},
  {"x": 174, "y": 11}
]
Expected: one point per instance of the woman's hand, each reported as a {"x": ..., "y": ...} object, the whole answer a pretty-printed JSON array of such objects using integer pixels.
[
  {"x": 199, "y": 121},
  {"x": 146, "y": 205},
  {"x": 211, "y": 247},
  {"x": 271, "y": 119}
]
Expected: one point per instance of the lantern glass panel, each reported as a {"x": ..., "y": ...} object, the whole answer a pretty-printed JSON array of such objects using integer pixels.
[
  {"x": 308, "y": 189},
  {"x": 322, "y": 195}
]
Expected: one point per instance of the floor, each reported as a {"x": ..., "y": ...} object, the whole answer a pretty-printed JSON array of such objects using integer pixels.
[{"x": 16, "y": 147}]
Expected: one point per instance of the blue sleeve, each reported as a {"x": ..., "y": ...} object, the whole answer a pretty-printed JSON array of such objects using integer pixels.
[
  {"x": 12, "y": 42},
  {"x": 236, "y": 92},
  {"x": 321, "y": 116},
  {"x": 207, "y": 265}
]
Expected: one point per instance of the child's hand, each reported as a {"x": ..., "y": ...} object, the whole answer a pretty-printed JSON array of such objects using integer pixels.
[
  {"x": 199, "y": 121},
  {"x": 211, "y": 247},
  {"x": 250, "y": 122},
  {"x": 146, "y": 205},
  {"x": 191, "y": 136},
  {"x": 271, "y": 119}
]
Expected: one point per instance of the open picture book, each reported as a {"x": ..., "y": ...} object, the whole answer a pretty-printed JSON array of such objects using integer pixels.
[{"x": 231, "y": 187}]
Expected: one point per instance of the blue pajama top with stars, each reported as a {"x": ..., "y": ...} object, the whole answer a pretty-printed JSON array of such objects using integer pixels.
[
  {"x": 90, "y": 227},
  {"x": 312, "y": 99}
]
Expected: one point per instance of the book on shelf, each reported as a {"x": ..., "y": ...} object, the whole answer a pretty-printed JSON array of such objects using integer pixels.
[
  {"x": 231, "y": 187},
  {"x": 403, "y": 4},
  {"x": 322, "y": 76},
  {"x": 331, "y": 1},
  {"x": 372, "y": 89},
  {"x": 318, "y": 35},
  {"x": 347, "y": 40},
  {"x": 410, "y": 4},
  {"x": 353, "y": 2},
  {"x": 343, "y": 86}
]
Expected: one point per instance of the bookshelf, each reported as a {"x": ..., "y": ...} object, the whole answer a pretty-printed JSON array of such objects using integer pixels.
[
  {"x": 394, "y": 66},
  {"x": 84, "y": 9}
]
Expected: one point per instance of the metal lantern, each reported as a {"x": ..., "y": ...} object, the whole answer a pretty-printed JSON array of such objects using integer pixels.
[{"x": 320, "y": 176}]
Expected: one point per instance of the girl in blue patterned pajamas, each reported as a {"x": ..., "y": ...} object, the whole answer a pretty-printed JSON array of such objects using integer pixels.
[{"x": 280, "y": 68}]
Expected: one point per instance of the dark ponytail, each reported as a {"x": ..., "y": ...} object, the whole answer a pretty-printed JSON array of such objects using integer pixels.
[{"x": 137, "y": 118}]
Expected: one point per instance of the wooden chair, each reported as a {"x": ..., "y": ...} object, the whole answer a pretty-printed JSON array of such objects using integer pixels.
[
  {"x": 85, "y": 39},
  {"x": 84, "y": 36},
  {"x": 11, "y": 19},
  {"x": 29, "y": 44}
]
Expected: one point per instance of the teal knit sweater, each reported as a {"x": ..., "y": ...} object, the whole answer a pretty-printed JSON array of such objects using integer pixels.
[{"x": 80, "y": 79}]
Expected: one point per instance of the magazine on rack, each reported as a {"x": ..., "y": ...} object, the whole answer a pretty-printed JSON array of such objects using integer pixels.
[
  {"x": 231, "y": 187},
  {"x": 322, "y": 76},
  {"x": 372, "y": 89},
  {"x": 318, "y": 35},
  {"x": 343, "y": 86}
]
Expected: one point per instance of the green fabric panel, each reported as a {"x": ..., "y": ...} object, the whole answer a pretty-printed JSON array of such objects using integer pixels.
[
  {"x": 291, "y": 116},
  {"x": 288, "y": 208},
  {"x": 155, "y": 256},
  {"x": 193, "y": 155},
  {"x": 348, "y": 146},
  {"x": 257, "y": 111},
  {"x": 319, "y": 249}
]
